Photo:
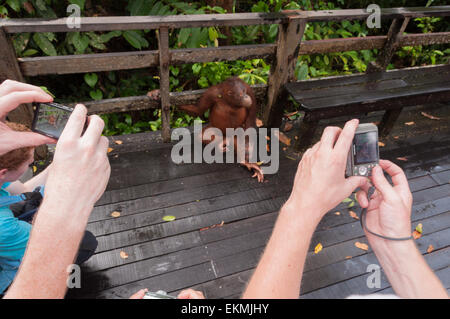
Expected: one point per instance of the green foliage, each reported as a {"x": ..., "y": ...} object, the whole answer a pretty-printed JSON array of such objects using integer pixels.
[{"x": 103, "y": 85}]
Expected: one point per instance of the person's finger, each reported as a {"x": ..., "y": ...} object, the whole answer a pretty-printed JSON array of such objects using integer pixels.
[
  {"x": 354, "y": 182},
  {"x": 103, "y": 145},
  {"x": 381, "y": 183},
  {"x": 12, "y": 100},
  {"x": 75, "y": 124},
  {"x": 398, "y": 176},
  {"x": 190, "y": 294},
  {"x": 329, "y": 137},
  {"x": 361, "y": 197},
  {"x": 9, "y": 86},
  {"x": 94, "y": 130},
  {"x": 345, "y": 139},
  {"x": 11, "y": 140},
  {"x": 140, "y": 294}
]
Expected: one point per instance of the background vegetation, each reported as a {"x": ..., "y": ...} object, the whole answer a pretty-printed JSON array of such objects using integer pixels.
[{"x": 96, "y": 86}]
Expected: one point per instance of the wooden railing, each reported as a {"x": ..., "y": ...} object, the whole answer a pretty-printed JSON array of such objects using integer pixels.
[{"x": 283, "y": 54}]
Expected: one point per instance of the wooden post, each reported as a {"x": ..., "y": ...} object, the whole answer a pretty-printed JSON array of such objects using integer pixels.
[
  {"x": 9, "y": 69},
  {"x": 164, "y": 84},
  {"x": 397, "y": 28},
  {"x": 282, "y": 70}
]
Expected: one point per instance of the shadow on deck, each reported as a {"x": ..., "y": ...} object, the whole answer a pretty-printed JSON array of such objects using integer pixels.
[{"x": 140, "y": 250}]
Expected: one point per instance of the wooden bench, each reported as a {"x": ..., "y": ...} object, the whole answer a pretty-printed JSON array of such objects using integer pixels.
[{"x": 356, "y": 94}]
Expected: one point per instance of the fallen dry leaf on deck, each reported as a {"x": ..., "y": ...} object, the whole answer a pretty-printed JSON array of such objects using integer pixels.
[
  {"x": 284, "y": 148},
  {"x": 296, "y": 137},
  {"x": 318, "y": 248},
  {"x": 110, "y": 149},
  {"x": 115, "y": 214},
  {"x": 34, "y": 169},
  {"x": 169, "y": 218},
  {"x": 416, "y": 234},
  {"x": 287, "y": 127},
  {"x": 118, "y": 142},
  {"x": 259, "y": 123},
  {"x": 361, "y": 246},
  {"x": 348, "y": 257},
  {"x": 381, "y": 144},
  {"x": 419, "y": 228},
  {"x": 402, "y": 159},
  {"x": 431, "y": 117},
  {"x": 430, "y": 248},
  {"x": 396, "y": 137},
  {"x": 213, "y": 226},
  {"x": 123, "y": 255},
  {"x": 409, "y": 123},
  {"x": 353, "y": 214},
  {"x": 337, "y": 213}
]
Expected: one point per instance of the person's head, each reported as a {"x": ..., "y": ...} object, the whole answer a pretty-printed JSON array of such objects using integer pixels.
[{"x": 14, "y": 163}]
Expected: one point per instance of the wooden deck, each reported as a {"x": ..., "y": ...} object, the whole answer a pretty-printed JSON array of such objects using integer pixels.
[{"x": 145, "y": 186}]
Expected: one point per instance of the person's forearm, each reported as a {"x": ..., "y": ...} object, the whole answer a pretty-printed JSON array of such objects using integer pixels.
[
  {"x": 36, "y": 181},
  {"x": 279, "y": 272},
  {"x": 52, "y": 247},
  {"x": 407, "y": 270}
]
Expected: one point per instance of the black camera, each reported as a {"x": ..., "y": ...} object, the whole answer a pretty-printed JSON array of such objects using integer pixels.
[
  {"x": 50, "y": 119},
  {"x": 363, "y": 155}
]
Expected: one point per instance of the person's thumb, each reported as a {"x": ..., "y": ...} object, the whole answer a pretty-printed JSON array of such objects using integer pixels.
[
  {"x": 354, "y": 182},
  {"x": 381, "y": 183}
]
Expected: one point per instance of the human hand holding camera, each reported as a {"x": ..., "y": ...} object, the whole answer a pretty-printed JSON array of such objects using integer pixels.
[
  {"x": 81, "y": 167},
  {"x": 12, "y": 94},
  {"x": 389, "y": 208},
  {"x": 320, "y": 183}
]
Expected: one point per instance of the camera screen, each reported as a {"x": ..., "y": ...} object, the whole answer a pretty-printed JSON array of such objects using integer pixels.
[
  {"x": 366, "y": 148},
  {"x": 51, "y": 120}
]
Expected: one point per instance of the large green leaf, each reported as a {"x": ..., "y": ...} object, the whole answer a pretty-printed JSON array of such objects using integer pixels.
[
  {"x": 135, "y": 39},
  {"x": 14, "y": 4},
  {"x": 108, "y": 36},
  {"x": 44, "y": 44},
  {"x": 79, "y": 41},
  {"x": 20, "y": 42},
  {"x": 91, "y": 79}
]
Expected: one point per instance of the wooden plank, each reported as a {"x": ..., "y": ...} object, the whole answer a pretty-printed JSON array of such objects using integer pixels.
[
  {"x": 386, "y": 13},
  {"x": 423, "y": 39},
  {"x": 247, "y": 209},
  {"x": 143, "y": 22},
  {"x": 164, "y": 81},
  {"x": 137, "y": 103},
  {"x": 370, "y": 99},
  {"x": 295, "y": 88},
  {"x": 288, "y": 44},
  {"x": 207, "y": 20},
  {"x": 82, "y": 63}
]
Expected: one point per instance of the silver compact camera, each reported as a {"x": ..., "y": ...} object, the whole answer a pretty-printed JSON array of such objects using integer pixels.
[
  {"x": 363, "y": 155},
  {"x": 160, "y": 294}
]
